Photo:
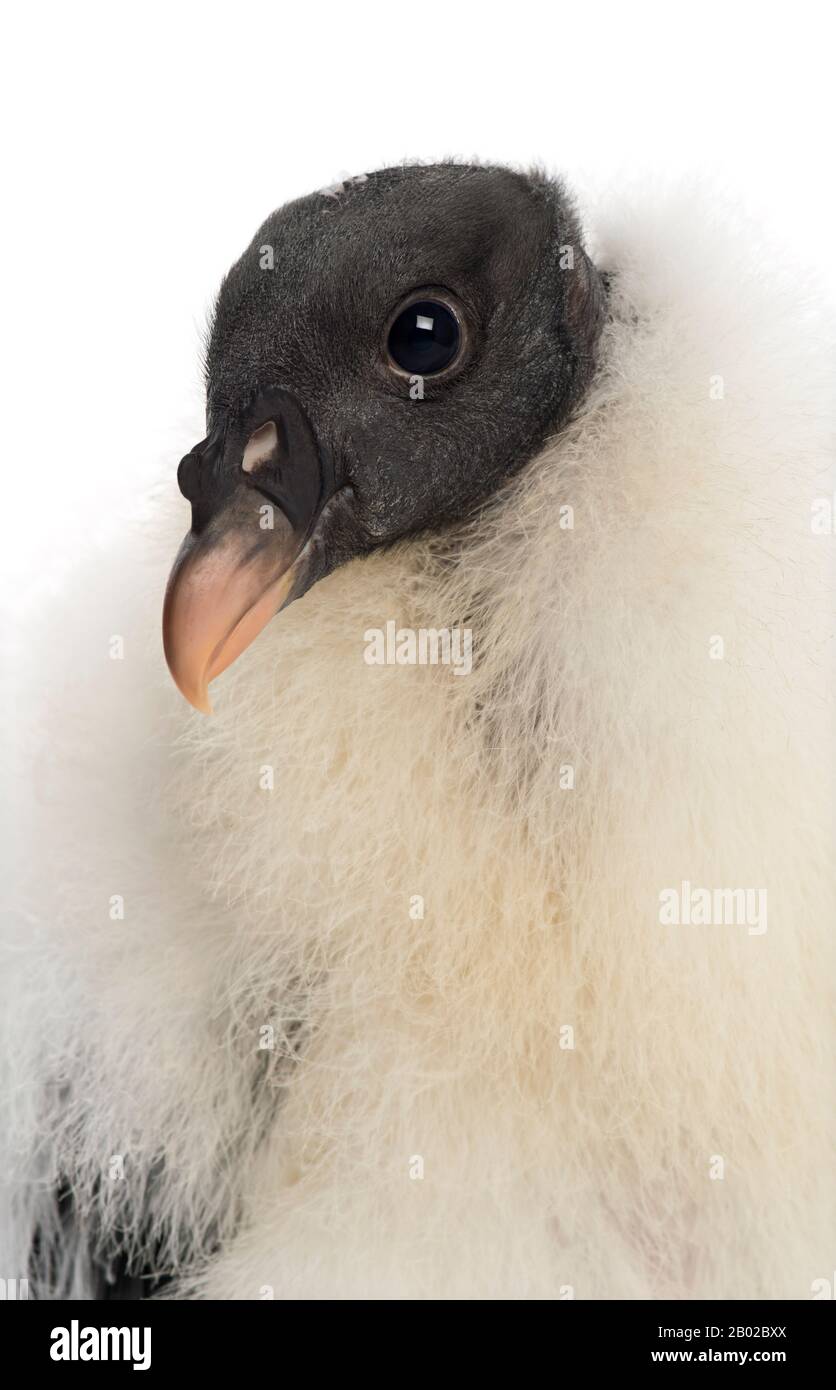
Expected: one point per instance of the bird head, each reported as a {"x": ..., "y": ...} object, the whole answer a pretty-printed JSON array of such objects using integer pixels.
[{"x": 383, "y": 357}]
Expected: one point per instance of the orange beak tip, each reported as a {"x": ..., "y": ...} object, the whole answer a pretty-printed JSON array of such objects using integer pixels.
[
  {"x": 199, "y": 699},
  {"x": 196, "y": 695},
  {"x": 216, "y": 604}
]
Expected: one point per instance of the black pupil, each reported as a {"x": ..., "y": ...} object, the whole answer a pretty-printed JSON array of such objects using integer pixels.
[{"x": 424, "y": 338}]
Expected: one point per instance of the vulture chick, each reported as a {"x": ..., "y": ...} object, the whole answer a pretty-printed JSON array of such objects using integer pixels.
[{"x": 478, "y": 946}]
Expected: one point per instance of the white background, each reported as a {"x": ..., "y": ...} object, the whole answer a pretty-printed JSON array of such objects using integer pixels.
[{"x": 145, "y": 144}]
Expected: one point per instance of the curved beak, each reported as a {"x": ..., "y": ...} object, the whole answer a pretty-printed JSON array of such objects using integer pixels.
[
  {"x": 222, "y": 591},
  {"x": 254, "y": 503}
]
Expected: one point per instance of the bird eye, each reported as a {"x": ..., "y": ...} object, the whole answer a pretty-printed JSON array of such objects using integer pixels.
[{"x": 425, "y": 337}]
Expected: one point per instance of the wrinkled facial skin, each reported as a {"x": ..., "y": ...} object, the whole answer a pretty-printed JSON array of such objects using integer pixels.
[
  {"x": 305, "y": 312},
  {"x": 314, "y": 324}
]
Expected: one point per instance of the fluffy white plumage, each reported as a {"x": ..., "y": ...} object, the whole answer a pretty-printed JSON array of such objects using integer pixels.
[{"x": 544, "y": 1168}]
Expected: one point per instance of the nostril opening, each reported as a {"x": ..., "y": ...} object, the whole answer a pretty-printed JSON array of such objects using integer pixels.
[{"x": 261, "y": 446}]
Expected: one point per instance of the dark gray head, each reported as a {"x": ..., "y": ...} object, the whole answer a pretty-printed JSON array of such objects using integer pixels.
[{"x": 383, "y": 357}]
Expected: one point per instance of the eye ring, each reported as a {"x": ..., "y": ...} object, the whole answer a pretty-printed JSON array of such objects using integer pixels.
[{"x": 450, "y": 323}]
